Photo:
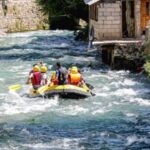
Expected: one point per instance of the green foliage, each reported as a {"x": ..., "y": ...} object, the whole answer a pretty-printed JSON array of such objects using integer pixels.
[
  {"x": 147, "y": 68},
  {"x": 74, "y": 8},
  {"x": 147, "y": 48},
  {"x": 147, "y": 54},
  {"x": 148, "y": 58}
]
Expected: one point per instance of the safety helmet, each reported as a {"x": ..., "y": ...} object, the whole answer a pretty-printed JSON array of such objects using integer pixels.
[
  {"x": 44, "y": 69},
  {"x": 36, "y": 68},
  {"x": 74, "y": 70},
  {"x": 53, "y": 74}
]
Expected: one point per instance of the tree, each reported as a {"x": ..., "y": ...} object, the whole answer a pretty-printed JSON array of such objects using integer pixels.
[{"x": 73, "y": 8}]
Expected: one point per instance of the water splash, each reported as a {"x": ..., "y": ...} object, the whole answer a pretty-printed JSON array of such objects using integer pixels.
[{"x": 117, "y": 117}]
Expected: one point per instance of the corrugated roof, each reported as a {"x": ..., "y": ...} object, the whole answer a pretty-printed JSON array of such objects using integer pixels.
[{"x": 90, "y": 2}]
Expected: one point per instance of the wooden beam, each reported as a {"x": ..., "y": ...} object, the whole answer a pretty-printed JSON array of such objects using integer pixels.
[{"x": 113, "y": 42}]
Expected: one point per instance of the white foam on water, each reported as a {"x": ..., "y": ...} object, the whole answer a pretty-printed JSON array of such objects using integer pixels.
[
  {"x": 102, "y": 94},
  {"x": 116, "y": 103},
  {"x": 73, "y": 110},
  {"x": 105, "y": 88},
  {"x": 37, "y": 146},
  {"x": 115, "y": 84},
  {"x": 142, "y": 90},
  {"x": 131, "y": 115},
  {"x": 132, "y": 139},
  {"x": 59, "y": 143},
  {"x": 14, "y": 104},
  {"x": 121, "y": 72},
  {"x": 103, "y": 134},
  {"x": 61, "y": 45},
  {"x": 2, "y": 79},
  {"x": 97, "y": 103},
  {"x": 140, "y": 101},
  {"x": 2, "y": 96},
  {"x": 100, "y": 111},
  {"x": 129, "y": 82},
  {"x": 25, "y": 132},
  {"x": 125, "y": 92},
  {"x": 74, "y": 60},
  {"x": 101, "y": 76},
  {"x": 14, "y": 97}
]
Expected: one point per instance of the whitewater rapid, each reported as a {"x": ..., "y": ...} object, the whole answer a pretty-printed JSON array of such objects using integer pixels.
[{"x": 117, "y": 118}]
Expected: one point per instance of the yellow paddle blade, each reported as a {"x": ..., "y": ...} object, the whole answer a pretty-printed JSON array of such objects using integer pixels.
[
  {"x": 14, "y": 87},
  {"x": 42, "y": 89}
]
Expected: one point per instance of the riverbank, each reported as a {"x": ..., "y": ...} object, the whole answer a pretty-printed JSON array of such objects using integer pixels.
[{"x": 19, "y": 16}]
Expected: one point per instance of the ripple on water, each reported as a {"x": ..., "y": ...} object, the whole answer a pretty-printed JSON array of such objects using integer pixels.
[{"x": 117, "y": 118}]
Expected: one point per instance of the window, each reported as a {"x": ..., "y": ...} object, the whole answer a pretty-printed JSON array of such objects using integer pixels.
[
  {"x": 94, "y": 12},
  {"x": 147, "y": 8}
]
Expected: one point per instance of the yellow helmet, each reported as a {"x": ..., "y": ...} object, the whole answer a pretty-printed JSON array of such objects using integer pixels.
[
  {"x": 74, "y": 70},
  {"x": 44, "y": 69},
  {"x": 53, "y": 74},
  {"x": 36, "y": 68}
]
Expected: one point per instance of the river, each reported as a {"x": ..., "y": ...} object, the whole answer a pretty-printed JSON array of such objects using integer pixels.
[{"x": 117, "y": 118}]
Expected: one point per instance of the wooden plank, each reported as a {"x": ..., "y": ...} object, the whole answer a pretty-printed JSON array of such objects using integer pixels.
[{"x": 112, "y": 42}]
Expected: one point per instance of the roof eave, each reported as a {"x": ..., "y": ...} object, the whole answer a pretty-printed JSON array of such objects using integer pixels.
[{"x": 90, "y": 2}]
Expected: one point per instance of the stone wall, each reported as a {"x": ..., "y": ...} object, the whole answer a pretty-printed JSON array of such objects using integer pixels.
[
  {"x": 21, "y": 15},
  {"x": 108, "y": 25},
  {"x": 130, "y": 57}
]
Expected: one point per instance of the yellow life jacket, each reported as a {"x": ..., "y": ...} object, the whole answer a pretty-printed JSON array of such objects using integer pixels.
[{"x": 75, "y": 78}]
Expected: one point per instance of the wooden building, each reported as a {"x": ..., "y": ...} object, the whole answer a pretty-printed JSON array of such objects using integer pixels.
[{"x": 118, "y": 19}]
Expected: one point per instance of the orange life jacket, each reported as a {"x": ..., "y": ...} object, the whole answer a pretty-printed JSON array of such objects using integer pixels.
[
  {"x": 54, "y": 80},
  {"x": 75, "y": 78}
]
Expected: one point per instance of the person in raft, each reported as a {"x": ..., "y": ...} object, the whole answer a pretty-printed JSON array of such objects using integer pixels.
[
  {"x": 53, "y": 79},
  {"x": 35, "y": 77},
  {"x": 43, "y": 75},
  {"x": 75, "y": 77},
  {"x": 61, "y": 74}
]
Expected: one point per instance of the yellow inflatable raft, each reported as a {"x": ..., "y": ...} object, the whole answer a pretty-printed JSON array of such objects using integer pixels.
[{"x": 64, "y": 91}]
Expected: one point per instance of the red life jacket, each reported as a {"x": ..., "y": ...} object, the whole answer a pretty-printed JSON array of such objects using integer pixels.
[{"x": 36, "y": 79}]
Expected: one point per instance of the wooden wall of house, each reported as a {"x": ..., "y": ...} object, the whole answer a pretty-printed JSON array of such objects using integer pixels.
[{"x": 145, "y": 14}]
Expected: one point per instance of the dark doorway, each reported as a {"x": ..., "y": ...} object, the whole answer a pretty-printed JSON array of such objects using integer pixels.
[
  {"x": 128, "y": 19},
  {"x": 124, "y": 20}
]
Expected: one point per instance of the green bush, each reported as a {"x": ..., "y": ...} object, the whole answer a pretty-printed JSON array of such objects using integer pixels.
[{"x": 147, "y": 68}]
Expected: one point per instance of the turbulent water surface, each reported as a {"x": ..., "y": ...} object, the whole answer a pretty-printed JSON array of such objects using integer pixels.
[{"x": 117, "y": 118}]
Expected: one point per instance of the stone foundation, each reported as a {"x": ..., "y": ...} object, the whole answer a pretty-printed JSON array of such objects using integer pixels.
[
  {"x": 129, "y": 57},
  {"x": 21, "y": 15}
]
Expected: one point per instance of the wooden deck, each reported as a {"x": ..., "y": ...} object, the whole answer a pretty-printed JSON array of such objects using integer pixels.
[{"x": 116, "y": 42}]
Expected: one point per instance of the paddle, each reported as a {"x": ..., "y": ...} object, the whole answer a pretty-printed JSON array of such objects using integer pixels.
[
  {"x": 89, "y": 86},
  {"x": 15, "y": 87}
]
